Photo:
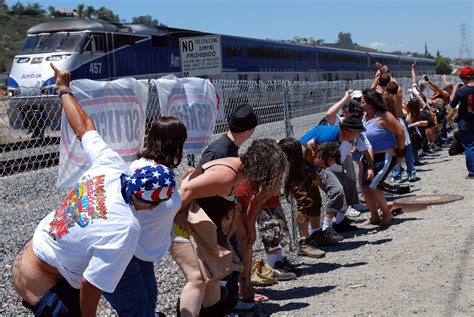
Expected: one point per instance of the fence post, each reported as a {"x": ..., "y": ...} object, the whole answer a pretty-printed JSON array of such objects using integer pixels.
[{"x": 289, "y": 134}]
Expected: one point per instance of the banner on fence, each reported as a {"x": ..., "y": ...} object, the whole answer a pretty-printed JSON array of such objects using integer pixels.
[
  {"x": 194, "y": 101},
  {"x": 118, "y": 109}
]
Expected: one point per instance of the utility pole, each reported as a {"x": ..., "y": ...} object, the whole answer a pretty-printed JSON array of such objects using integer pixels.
[{"x": 464, "y": 52}]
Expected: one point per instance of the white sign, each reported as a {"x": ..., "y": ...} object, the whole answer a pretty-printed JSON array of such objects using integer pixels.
[
  {"x": 193, "y": 101},
  {"x": 201, "y": 56},
  {"x": 118, "y": 109}
]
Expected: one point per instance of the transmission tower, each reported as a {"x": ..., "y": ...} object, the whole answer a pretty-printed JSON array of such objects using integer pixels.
[{"x": 464, "y": 52}]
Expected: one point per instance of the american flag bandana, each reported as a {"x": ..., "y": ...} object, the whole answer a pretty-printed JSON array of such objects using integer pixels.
[{"x": 152, "y": 184}]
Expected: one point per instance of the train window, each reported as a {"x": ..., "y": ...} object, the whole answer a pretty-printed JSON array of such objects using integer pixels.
[
  {"x": 95, "y": 44},
  {"x": 47, "y": 43},
  {"x": 259, "y": 51},
  {"x": 268, "y": 53},
  {"x": 305, "y": 56},
  {"x": 160, "y": 41},
  {"x": 230, "y": 51},
  {"x": 121, "y": 40},
  {"x": 250, "y": 52},
  {"x": 69, "y": 42},
  {"x": 238, "y": 51},
  {"x": 29, "y": 44}
]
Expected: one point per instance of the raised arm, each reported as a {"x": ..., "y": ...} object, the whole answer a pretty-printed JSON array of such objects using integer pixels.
[
  {"x": 76, "y": 116},
  {"x": 437, "y": 89},
  {"x": 413, "y": 73},
  {"x": 332, "y": 112}
]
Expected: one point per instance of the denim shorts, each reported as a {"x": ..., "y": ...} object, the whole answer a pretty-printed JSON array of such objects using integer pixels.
[{"x": 61, "y": 300}]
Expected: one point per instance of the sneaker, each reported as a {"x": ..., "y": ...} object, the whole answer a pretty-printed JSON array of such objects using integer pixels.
[
  {"x": 333, "y": 234},
  {"x": 305, "y": 248},
  {"x": 243, "y": 306},
  {"x": 322, "y": 239},
  {"x": 413, "y": 179},
  {"x": 281, "y": 273},
  {"x": 351, "y": 212},
  {"x": 360, "y": 207},
  {"x": 419, "y": 163},
  {"x": 469, "y": 177},
  {"x": 343, "y": 226},
  {"x": 289, "y": 266}
]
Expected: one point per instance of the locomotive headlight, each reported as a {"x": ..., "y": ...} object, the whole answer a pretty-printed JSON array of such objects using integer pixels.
[{"x": 53, "y": 58}]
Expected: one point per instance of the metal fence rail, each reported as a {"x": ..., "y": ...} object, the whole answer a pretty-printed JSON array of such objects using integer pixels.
[{"x": 29, "y": 138}]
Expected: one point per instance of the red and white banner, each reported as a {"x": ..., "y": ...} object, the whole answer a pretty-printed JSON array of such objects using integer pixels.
[
  {"x": 118, "y": 109},
  {"x": 193, "y": 101}
]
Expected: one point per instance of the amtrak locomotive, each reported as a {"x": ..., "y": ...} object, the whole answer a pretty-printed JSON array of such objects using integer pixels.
[{"x": 103, "y": 51}]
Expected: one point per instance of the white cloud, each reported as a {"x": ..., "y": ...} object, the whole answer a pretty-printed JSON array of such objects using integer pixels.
[{"x": 378, "y": 45}]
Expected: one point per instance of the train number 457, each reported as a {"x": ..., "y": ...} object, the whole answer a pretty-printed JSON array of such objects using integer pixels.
[{"x": 95, "y": 68}]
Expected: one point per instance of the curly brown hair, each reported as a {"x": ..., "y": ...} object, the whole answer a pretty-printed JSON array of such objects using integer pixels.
[
  {"x": 164, "y": 141},
  {"x": 264, "y": 163}
]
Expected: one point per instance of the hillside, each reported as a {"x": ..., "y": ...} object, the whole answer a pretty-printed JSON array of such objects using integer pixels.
[{"x": 13, "y": 31}]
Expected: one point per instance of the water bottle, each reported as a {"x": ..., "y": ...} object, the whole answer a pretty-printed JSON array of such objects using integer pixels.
[{"x": 435, "y": 190}]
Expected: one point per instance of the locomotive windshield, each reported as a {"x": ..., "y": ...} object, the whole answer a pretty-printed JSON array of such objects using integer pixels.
[{"x": 51, "y": 43}]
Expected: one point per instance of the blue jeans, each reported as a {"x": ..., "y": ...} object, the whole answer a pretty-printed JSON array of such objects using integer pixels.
[
  {"x": 409, "y": 161},
  {"x": 61, "y": 300},
  {"x": 467, "y": 140},
  {"x": 137, "y": 291}
]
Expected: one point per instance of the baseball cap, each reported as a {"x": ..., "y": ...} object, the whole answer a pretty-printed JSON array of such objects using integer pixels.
[
  {"x": 356, "y": 94},
  {"x": 151, "y": 183},
  {"x": 243, "y": 118},
  {"x": 466, "y": 72},
  {"x": 352, "y": 124}
]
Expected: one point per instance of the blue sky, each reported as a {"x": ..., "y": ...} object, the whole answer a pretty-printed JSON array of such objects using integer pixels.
[{"x": 387, "y": 25}]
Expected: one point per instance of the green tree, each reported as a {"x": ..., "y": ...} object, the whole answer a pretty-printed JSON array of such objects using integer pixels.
[
  {"x": 443, "y": 64},
  {"x": 17, "y": 9},
  {"x": 3, "y": 8},
  {"x": 345, "y": 39},
  {"x": 89, "y": 12},
  {"x": 51, "y": 10},
  {"x": 107, "y": 15},
  {"x": 80, "y": 10},
  {"x": 145, "y": 19}
]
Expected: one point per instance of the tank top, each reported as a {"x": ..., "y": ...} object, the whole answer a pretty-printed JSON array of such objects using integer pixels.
[{"x": 380, "y": 138}]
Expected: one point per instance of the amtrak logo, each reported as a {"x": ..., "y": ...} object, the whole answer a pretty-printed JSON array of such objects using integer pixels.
[{"x": 31, "y": 76}]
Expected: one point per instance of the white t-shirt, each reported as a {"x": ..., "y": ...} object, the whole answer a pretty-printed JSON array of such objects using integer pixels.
[
  {"x": 156, "y": 224},
  {"x": 94, "y": 232}
]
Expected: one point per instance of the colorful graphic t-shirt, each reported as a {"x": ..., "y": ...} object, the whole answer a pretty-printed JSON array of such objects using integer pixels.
[
  {"x": 93, "y": 233},
  {"x": 157, "y": 224}
]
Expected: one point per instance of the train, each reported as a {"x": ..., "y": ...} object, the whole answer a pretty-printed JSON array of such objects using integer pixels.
[{"x": 101, "y": 50}]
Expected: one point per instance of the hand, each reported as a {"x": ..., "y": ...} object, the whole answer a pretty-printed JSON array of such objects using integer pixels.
[
  {"x": 347, "y": 94},
  {"x": 384, "y": 69},
  {"x": 413, "y": 65},
  {"x": 63, "y": 78},
  {"x": 370, "y": 174},
  {"x": 378, "y": 65}
]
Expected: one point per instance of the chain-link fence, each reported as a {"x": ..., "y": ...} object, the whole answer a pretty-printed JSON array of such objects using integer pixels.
[{"x": 29, "y": 146}]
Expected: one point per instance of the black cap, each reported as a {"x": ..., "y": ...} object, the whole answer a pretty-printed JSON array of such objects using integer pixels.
[
  {"x": 352, "y": 124},
  {"x": 243, "y": 118}
]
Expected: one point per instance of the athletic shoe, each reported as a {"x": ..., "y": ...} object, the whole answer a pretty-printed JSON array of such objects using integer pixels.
[
  {"x": 469, "y": 177},
  {"x": 281, "y": 273},
  {"x": 333, "y": 234},
  {"x": 351, "y": 212},
  {"x": 360, "y": 207},
  {"x": 343, "y": 226},
  {"x": 413, "y": 179},
  {"x": 305, "y": 248},
  {"x": 419, "y": 163},
  {"x": 289, "y": 266},
  {"x": 321, "y": 238}
]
